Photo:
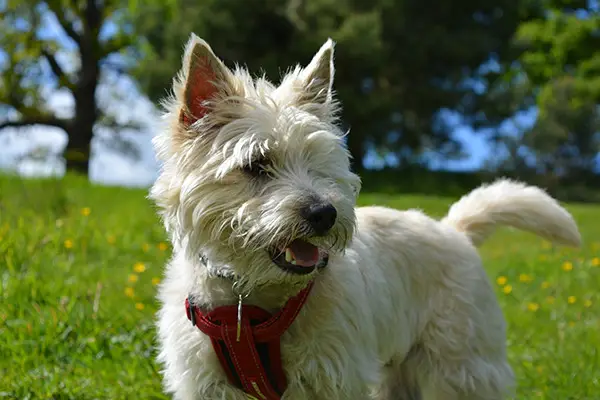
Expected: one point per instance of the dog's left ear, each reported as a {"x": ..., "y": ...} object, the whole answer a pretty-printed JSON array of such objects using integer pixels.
[{"x": 317, "y": 77}]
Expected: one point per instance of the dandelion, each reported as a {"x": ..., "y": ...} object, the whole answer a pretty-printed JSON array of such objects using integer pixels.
[
  {"x": 587, "y": 303},
  {"x": 155, "y": 281},
  {"x": 68, "y": 244},
  {"x": 596, "y": 262},
  {"x": 539, "y": 369},
  {"x": 546, "y": 245},
  {"x": 525, "y": 278},
  {"x": 85, "y": 211},
  {"x": 571, "y": 323},
  {"x": 507, "y": 289},
  {"x": 145, "y": 247},
  {"x": 533, "y": 307},
  {"x": 501, "y": 280},
  {"x": 567, "y": 266},
  {"x": 550, "y": 300},
  {"x": 111, "y": 239},
  {"x": 133, "y": 278},
  {"x": 162, "y": 246},
  {"x": 129, "y": 292},
  {"x": 571, "y": 299},
  {"x": 545, "y": 285},
  {"x": 139, "y": 306},
  {"x": 139, "y": 267}
]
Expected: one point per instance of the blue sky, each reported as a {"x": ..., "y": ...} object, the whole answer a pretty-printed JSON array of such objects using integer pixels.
[{"x": 123, "y": 100}]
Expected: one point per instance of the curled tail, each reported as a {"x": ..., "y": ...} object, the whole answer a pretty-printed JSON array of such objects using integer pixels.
[{"x": 511, "y": 203}]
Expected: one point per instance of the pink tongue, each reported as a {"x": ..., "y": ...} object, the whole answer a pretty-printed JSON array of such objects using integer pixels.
[{"x": 305, "y": 254}]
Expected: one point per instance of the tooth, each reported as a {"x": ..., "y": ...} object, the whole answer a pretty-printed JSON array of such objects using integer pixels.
[{"x": 288, "y": 255}]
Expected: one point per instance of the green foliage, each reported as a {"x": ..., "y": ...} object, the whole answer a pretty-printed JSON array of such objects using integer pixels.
[
  {"x": 97, "y": 38},
  {"x": 561, "y": 63},
  {"x": 397, "y": 65},
  {"x": 71, "y": 329}
]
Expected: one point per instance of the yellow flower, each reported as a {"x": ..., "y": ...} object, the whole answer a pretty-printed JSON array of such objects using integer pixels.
[
  {"x": 111, "y": 239},
  {"x": 162, "y": 246},
  {"x": 525, "y": 278},
  {"x": 533, "y": 307},
  {"x": 571, "y": 323},
  {"x": 155, "y": 281},
  {"x": 501, "y": 280},
  {"x": 68, "y": 243},
  {"x": 129, "y": 292},
  {"x": 85, "y": 211},
  {"x": 507, "y": 289},
  {"x": 545, "y": 285},
  {"x": 587, "y": 303},
  {"x": 567, "y": 266},
  {"x": 145, "y": 247},
  {"x": 133, "y": 278},
  {"x": 596, "y": 262},
  {"x": 139, "y": 267},
  {"x": 139, "y": 306},
  {"x": 546, "y": 245},
  {"x": 550, "y": 300},
  {"x": 543, "y": 257},
  {"x": 571, "y": 299}
]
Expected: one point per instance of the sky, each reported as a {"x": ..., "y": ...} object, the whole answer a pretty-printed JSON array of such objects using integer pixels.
[{"x": 119, "y": 95}]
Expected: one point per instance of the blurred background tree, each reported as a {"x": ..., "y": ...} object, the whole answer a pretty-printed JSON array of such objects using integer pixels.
[
  {"x": 401, "y": 68},
  {"x": 96, "y": 35},
  {"x": 407, "y": 75},
  {"x": 560, "y": 64}
]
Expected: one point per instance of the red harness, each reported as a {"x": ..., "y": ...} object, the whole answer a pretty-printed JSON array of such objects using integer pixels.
[{"x": 250, "y": 356}]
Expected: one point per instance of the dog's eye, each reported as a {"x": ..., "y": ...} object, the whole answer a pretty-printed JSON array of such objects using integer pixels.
[{"x": 258, "y": 168}]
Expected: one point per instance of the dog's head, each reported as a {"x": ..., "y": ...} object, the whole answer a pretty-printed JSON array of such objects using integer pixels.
[{"x": 255, "y": 176}]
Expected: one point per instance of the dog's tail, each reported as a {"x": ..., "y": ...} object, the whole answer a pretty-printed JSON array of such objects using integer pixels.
[{"x": 511, "y": 203}]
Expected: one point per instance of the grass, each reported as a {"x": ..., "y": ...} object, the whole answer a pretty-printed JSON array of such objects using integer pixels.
[{"x": 79, "y": 264}]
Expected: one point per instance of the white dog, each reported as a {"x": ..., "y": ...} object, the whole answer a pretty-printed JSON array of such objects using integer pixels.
[{"x": 259, "y": 201}]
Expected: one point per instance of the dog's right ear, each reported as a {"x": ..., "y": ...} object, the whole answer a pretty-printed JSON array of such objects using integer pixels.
[{"x": 204, "y": 77}]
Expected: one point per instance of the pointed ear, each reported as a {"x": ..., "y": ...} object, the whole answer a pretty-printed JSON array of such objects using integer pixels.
[
  {"x": 317, "y": 77},
  {"x": 204, "y": 77}
]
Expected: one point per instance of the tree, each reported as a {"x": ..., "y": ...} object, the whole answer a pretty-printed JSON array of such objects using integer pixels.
[
  {"x": 95, "y": 34},
  {"x": 398, "y": 64},
  {"x": 565, "y": 137},
  {"x": 560, "y": 67}
]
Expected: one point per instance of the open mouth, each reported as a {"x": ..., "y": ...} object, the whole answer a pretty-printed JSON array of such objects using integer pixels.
[{"x": 300, "y": 257}]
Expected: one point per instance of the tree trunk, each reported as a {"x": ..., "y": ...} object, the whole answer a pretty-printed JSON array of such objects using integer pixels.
[
  {"x": 77, "y": 152},
  {"x": 81, "y": 129}
]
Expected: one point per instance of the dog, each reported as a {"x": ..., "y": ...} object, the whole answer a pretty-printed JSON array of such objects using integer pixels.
[{"x": 258, "y": 198}]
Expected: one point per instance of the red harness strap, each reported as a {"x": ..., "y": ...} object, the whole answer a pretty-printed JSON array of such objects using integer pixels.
[{"x": 251, "y": 357}]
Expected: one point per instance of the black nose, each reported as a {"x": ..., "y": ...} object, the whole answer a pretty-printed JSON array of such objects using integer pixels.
[{"x": 320, "y": 216}]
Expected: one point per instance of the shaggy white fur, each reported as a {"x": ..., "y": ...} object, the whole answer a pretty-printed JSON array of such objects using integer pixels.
[{"x": 403, "y": 310}]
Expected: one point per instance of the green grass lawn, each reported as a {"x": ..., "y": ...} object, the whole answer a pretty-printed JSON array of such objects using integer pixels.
[{"x": 79, "y": 264}]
